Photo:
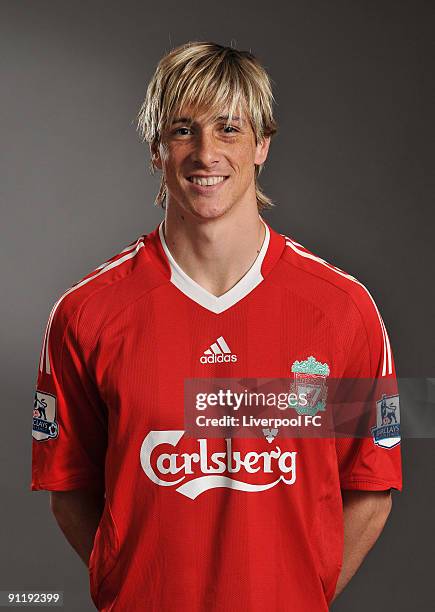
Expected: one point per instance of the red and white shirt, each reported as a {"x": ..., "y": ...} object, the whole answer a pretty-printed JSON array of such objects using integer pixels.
[{"x": 109, "y": 412}]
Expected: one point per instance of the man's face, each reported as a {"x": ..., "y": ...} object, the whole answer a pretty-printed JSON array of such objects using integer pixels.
[{"x": 209, "y": 151}]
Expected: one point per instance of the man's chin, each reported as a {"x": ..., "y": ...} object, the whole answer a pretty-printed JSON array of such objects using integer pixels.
[{"x": 208, "y": 210}]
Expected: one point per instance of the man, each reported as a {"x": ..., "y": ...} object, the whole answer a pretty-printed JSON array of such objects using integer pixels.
[{"x": 171, "y": 522}]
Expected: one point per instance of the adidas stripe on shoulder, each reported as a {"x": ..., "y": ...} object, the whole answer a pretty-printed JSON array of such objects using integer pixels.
[
  {"x": 301, "y": 251},
  {"x": 127, "y": 253}
]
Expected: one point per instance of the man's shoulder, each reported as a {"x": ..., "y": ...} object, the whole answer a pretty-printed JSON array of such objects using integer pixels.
[
  {"x": 107, "y": 289},
  {"x": 313, "y": 277}
]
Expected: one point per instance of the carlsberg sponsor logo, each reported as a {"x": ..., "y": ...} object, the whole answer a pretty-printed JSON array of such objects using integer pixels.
[{"x": 202, "y": 470}]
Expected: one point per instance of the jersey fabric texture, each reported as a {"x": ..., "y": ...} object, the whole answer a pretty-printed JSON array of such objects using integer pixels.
[{"x": 109, "y": 412}]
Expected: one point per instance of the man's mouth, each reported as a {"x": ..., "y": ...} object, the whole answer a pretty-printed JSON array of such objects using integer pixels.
[{"x": 206, "y": 181}]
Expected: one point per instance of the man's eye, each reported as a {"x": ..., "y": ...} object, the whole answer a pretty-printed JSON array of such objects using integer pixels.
[
  {"x": 178, "y": 130},
  {"x": 230, "y": 127}
]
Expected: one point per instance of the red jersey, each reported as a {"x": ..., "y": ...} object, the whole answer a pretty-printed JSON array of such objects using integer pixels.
[{"x": 182, "y": 530}]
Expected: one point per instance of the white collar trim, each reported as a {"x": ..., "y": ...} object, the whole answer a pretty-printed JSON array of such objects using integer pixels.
[{"x": 201, "y": 296}]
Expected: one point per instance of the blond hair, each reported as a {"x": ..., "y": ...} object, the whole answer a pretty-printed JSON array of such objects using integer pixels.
[{"x": 207, "y": 75}]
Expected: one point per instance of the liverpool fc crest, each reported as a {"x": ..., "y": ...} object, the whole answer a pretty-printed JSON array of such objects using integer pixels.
[{"x": 310, "y": 382}]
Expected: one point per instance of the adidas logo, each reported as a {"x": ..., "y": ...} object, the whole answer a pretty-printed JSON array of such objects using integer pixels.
[{"x": 219, "y": 352}]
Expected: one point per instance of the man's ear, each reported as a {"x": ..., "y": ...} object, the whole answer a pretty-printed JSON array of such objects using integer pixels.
[
  {"x": 262, "y": 150},
  {"x": 155, "y": 156}
]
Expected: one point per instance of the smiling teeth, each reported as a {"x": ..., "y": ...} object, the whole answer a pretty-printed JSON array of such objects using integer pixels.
[{"x": 213, "y": 180}]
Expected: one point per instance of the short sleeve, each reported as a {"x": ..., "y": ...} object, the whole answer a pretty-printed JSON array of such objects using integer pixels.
[
  {"x": 69, "y": 431},
  {"x": 372, "y": 462}
]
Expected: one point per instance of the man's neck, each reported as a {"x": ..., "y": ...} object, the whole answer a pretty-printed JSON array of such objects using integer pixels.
[{"x": 216, "y": 253}]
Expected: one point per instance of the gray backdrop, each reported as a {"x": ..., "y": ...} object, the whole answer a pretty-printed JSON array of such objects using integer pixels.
[{"x": 351, "y": 170}]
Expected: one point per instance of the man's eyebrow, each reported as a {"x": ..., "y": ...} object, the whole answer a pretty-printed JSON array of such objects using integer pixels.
[
  {"x": 190, "y": 119},
  {"x": 182, "y": 120},
  {"x": 225, "y": 117}
]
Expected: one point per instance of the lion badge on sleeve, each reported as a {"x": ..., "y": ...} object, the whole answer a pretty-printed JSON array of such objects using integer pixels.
[
  {"x": 386, "y": 432},
  {"x": 44, "y": 416}
]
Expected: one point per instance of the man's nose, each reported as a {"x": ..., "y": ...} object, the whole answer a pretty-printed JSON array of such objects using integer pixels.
[{"x": 206, "y": 150}]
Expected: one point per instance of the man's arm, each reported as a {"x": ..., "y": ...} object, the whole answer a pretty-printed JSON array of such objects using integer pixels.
[
  {"x": 78, "y": 513},
  {"x": 365, "y": 514}
]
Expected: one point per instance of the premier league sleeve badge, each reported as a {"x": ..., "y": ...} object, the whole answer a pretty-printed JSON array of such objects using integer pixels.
[
  {"x": 386, "y": 433},
  {"x": 44, "y": 417}
]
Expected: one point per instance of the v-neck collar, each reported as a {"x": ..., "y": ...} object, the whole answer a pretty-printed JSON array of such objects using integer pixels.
[{"x": 271, "y": 249}]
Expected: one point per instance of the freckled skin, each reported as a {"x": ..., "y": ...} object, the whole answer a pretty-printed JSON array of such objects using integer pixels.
[{"x": 210, "y": 147}]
